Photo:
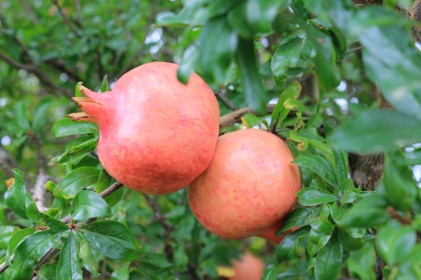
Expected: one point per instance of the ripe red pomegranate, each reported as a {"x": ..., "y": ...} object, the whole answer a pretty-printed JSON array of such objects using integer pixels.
[
  {"x": 249, "y": 187},
  {"x": 249, "y": 267},
  {"x": 156, "y": 134}
]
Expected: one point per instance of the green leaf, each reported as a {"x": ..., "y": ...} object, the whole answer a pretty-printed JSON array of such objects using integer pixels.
[
  {"x": 89, "y": 204},
  {"x": 413, "y": 157},
  {"x": 250, "y": 120},
  {"x": 348, "y": 242},
  {"x": 238, "y": 21},
  {"x": 361, "y": 263},
  {"x": 30, "y": 251},
  {"x": 76, "y": 153},
  {"x": 67, "y": 127},
  {"x": 270, "y": 273},
  {"x": 87, "y": 259},
  {"x": 313, "y": 196},
  {"x": 110, "y": 238},
  {"x": 329, "y": 261},
  {"x": 341, "y": 168},
  {"x": 104, "y": 84},
  {"x": 390, "y": 58},
  {"x": 16, "y": 197},
  {"x": 105, "y": 181},
  {"x": 17, "y": 238},
  {"x": 260, "y": 14},
  {"x": 297, "y": 218},
  {"x": 40, "y": 114},
  {"x": 76, "y": 181},
  {"x": 319, "y": 165},
  {"x": 367, "y": 212},
  {"x": 47, "y": 272},
  {"x": 288, "y": 244},
  {"x": 399, "y": 184},
  {"x": 217, "y": 48},
  {"x": 54, "y": 224},
  {"x": 68, "y": 264},
  {"x": 287, "y": 55},
  {"x": 20, "y": 116},
  {"x": 188, "y": 63},
  {"x": 394, "y": 242},
  {"x": 280, "y": 112},
  {"x": 251, "y": 82},
  {"x": 392, "y": 130}
]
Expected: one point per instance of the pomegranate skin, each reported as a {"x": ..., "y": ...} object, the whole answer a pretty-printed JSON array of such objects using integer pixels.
[
  {"x": 249, "y": 267},
  {"x": 248, "y": 188},
  {"x": 156, "y": 134}
]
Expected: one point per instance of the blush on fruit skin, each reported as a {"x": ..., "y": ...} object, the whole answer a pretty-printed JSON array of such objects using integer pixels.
[
  {"x": 248, "y": 188},
  {"x": 156, "y": 134}
]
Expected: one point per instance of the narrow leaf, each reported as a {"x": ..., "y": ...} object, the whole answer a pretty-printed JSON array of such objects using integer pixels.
[
  {"x": 68, "y": 264},
  {"x": 329, "y": 261},
  {"x": 88, "y": 204},
  {"x": 75, "y": 181}
]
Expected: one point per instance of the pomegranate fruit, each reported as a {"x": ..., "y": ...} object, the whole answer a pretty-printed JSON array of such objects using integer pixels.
[
  {"x": 249, "y": 187},
  {"x": 249, "y": 267},
  {"x": 156, "y": 134}
]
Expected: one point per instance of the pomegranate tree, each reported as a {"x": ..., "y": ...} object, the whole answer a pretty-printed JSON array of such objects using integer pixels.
[
  {"x": 249, "y": 187},
  {"x": 156, "y": 134}
]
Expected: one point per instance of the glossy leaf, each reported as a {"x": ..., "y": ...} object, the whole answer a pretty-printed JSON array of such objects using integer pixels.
[
  {"x": 319, "y": 165},
  {"x": 67, "y": 127},
  {"x": 328, "y": 261},
  {"x": 341, "y": 168},
  {"x": 87, "y": 259},
  {"x": 313, "y": 196},
  {"x": 297, "y": 218},
  {"x": 105, "y": 181},
  {"x": 260, "y": 14},
  {"x": 110, "y": 238},
  {"x": 76, "y": 181},
  {"x": 280, "y": 112},
  {"x": 348, "y": 242},
  {"x": 286, "y": 55},
  {"x": 288, "y": 244},
  {"x": 188, "y": 64},
  {"x": 17, "y": 238},
  {"x": 68, "y": 263},
  {"x": 47, "y": 272},
  {"x": 392, "y": 130},
  {"x": 16, "y": 197},
  {"x": 30, "y": 251},
  {"x": 88, "y": 204},
  {"x": 367, "y": 212}
]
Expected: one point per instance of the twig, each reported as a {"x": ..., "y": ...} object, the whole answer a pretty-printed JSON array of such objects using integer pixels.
[
  {"x": 65, "y": 19},
  {"x": 356, "y": 49},
  {"x": 233, "y": 117},
  {"x": 397, "y": 216},
  {"x": 220, "y": 94},
  {"x": 104, "y": 268},
  {"x": 168, "y": 250}
]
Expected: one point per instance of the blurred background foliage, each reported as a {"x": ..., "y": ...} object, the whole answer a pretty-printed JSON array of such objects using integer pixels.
[{"x": 339, "y": 80}]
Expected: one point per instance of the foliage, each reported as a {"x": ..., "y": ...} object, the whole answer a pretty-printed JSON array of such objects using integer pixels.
[{"x": 340, "y": 79}]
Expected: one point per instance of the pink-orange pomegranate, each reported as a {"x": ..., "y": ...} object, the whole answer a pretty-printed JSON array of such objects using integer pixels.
[
  {"x": 249, "y": 267},
  {"x": 156, "y": 134},
  {"x": 249, "y": 187}
]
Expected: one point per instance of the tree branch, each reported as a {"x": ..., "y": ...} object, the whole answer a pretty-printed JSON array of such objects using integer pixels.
[
  {"x": 66, "y": 19},
  {"x": 220, "y": 94}
]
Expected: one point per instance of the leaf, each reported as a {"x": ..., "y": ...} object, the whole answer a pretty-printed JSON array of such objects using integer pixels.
[
  {"x": 87, "y": 259},
  {"x": 67, "y": 127},
  {"x": 47, "y": 272},
  {"x": 40, "y": 114},
  {"x": 250, "y": 120},
  {"x": 395, "y": 242},
  {"x": 280, "y": 112},
  {"x": 218, "y": 44},
  {"x": 251, "y": 82},
  {"x": 399, "y": 184},
  {"x": 390, "y": 59},
  {"x": 30, "y": 251},
  {"x": 105, "y": 181},
  {"x": 76, "y": 153},
  {"x": 110, "y": 238},
  {"x": 297, "y": 218},
  {"x": 68, "y": 264},
  {"x": 54, "y": 224},
  {"x": 88, "y": 204},
  {"x": 319, "y": 165},
  {"x": 361, "y": 263},
  {"x": 329, "y": 261},
  {"x": 260, "y": 14},
  {"x": 188, "y": 64},
  {"x": 413, "y": 157},
  {"x": 104, "y": 84},
  {"x": 348, "y": 242},
  {"x": 238, "y": 21},
  {"x": 286, "y": 55},
  {"x": 270, "y": 272},
  {"x": 313, "y": 196},
  {"x": 75, "y": 181},
  {"x": 17, "y": 238},
  {"x": 16, "y": 197},
  {"x": 288, "y": 244},
  {"x": 367, "y": 212},
  {"x": 392, "y": 130},
  {"x": 341, "y": 168}
]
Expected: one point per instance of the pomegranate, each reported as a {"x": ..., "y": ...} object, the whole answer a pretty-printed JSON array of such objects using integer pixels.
[
  {"x": 249, "y": 187},
  {"x": 156, "y": 134},
  {"x": 249, "y": 267}
]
